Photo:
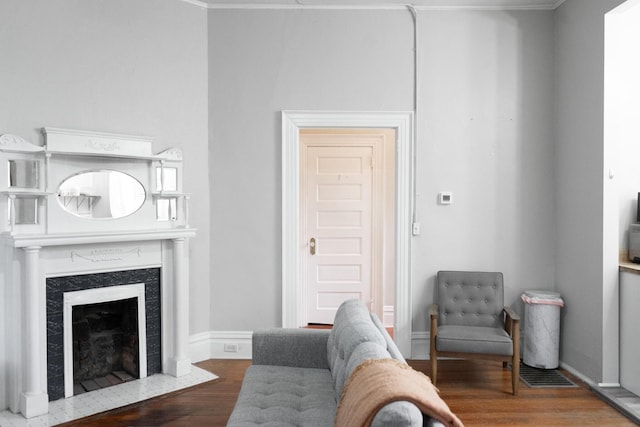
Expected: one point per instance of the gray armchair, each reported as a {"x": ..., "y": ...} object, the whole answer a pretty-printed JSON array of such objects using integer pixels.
[{"x": 470, "y": 320}]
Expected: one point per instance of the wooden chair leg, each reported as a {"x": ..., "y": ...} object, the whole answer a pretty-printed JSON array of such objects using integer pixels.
[
  {"x": 515, "y": 370},
  {"x": 515, "y": 374},
  {"x": 434, "y": 369},
  {"x": 433, "y": 357},
  {"x": 433, "y": 353}
]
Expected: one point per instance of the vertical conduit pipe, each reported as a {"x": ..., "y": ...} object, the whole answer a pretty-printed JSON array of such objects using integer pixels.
[{"x": 414, "y": 14}]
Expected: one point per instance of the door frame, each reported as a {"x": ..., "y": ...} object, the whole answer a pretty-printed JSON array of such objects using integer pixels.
[{"x": 292, "y": 122}]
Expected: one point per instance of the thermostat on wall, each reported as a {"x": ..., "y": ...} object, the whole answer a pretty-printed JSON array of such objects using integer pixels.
[{"x": 445, "y": 198}]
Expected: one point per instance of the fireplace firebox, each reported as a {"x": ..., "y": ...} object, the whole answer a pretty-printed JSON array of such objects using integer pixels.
[{"x": 105, "y": 344}]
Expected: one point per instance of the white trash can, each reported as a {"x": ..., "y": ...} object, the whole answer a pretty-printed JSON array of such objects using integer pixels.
[{"x": 541, "y": 328}]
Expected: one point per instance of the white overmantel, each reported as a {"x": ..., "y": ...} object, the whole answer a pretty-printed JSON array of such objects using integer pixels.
[{"x": 41, "y": 238}]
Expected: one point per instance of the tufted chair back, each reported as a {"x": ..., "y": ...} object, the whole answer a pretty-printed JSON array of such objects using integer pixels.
[{"x": 470, "y": 298}]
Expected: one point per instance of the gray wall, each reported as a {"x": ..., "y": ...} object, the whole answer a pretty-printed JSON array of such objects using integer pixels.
[
  {"x": 584, "y": 258},
  {"x": 133, "y": 67},
  {"x": 261, "y": 62},
  {"x": 485, "y": 133}
]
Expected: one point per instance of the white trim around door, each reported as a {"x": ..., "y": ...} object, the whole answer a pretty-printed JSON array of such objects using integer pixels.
[{"x": 292, "y": 122}]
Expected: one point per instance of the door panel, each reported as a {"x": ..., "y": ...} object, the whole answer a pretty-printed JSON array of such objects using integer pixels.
[{"x": 338, "y": 198}]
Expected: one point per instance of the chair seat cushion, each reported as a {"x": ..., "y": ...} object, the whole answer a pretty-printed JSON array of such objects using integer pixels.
[{"x": 474, "y": 339}]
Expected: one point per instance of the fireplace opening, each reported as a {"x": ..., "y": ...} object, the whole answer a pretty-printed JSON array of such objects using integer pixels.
[
  {"x": 105, "y": 344},
  {"x": 64, "y": 293}
]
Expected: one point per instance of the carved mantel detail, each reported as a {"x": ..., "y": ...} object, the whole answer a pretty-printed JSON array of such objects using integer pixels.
[
  {"x": 16, "y": 143},
  {"x": 104, "y": 255}
]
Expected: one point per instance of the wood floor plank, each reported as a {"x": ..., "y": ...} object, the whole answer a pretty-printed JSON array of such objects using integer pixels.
[{"x": 478, "y": 392}]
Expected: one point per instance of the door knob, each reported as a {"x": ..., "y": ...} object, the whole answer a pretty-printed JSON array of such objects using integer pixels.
[{"x": 312, "y": 246}]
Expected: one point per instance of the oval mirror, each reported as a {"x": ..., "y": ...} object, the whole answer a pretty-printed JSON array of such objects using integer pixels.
[{"x": 101, "y": 194}]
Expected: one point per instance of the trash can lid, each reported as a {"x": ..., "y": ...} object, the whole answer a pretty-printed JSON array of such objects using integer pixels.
[{"x": 542, "y": 297}]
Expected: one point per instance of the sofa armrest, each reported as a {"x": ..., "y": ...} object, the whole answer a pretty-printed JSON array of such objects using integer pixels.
[{"x": 304, "y": 348}]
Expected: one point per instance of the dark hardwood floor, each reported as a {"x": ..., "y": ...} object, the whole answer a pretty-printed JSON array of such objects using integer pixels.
[{"x": 478, "y": 392}]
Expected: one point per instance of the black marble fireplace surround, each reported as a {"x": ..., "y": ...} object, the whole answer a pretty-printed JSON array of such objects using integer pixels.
[{"x": 57, "y": 286}]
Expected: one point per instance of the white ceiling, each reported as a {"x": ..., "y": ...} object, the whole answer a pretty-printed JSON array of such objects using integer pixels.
[{"x": 353, "y": 4}]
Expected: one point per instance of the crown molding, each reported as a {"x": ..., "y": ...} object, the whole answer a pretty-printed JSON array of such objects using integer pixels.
[
  {"x": 202, "y": 4},
  {"x": 379, "y": 4}
]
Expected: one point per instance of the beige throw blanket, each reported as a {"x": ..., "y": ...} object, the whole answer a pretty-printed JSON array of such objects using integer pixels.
[{"x": 378, "y": 382}]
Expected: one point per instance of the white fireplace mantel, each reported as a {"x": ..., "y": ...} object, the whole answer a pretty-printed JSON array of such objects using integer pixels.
[
  {"x": 40, "y": 238},
  {"x": 42, "y": 257},
  {"x": 64, "y": 239}
]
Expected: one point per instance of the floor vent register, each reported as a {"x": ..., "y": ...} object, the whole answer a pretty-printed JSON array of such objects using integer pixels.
[{"x": 544, "y": 378}]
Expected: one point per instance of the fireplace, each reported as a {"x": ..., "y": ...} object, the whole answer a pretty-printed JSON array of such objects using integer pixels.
[
  {"x": 77, "y": 303},
  {"x": 89, "y": 218},
  {"x": 66, "y": 272}
]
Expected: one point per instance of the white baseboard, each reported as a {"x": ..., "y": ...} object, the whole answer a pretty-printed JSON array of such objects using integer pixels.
[
  {"x": 419, "y": 346},
  {"x": 212, "y": 345},
  {"x": 609, "y": 385},
  {"x": 220, "y": 345},
  {"x": 216, "y": 345},
  {"x": 590, "y": 382},
  {"x": 200, "y": 347}
]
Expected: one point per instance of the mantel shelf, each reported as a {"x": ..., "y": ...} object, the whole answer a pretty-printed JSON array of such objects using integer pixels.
[
  {"x": 169, "y": 194},
  {"x": 26, "y": 192},
  {"x": 26, "y": 240},
  {"x": 120, "y": 156},
  {"x": 154, "y": 157}
]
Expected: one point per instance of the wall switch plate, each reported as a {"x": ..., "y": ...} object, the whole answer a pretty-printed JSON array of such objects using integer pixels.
[
  {"x": 416, "y": 228},
  {"x": 445, "y": 198}
]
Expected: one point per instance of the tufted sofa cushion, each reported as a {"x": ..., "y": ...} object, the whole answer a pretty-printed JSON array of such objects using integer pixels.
[
  {"x": 352, "y": 327},
  {"x": 285, "y": 396},
  {"x": 358, "y": 335},
  {"x": 471, "y": 300}
]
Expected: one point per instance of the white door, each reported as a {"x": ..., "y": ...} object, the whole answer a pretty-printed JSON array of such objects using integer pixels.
[{"x": 340, "y": 217}]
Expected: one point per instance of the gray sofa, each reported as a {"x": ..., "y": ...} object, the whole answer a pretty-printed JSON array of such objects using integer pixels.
[{"x": 297, "y": 375}]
